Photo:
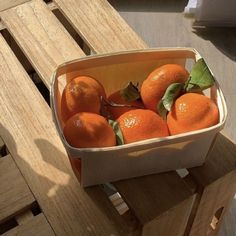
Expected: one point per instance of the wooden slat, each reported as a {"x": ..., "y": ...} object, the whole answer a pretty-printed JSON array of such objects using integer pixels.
[
  {"x": 1, "y": 25},
  {"x": 221, "y": 161},
  {"x": 31, "y": 138},
  {"x": 1, "y": 145},
  {"x": 157, "y": 200},
  {"x": 168, "y": 223},
  {"x": 10, "y": 3},
  {"x": 217, "y": 178},
  {"x": 229, "y": 223},
  {"x": 51, "y": 6},
  {"x": 150, "y": 196},
  {"x": 100, "y": 25},
  {"x": 14, "y": 192},
  {"x": 37, "y": 225},
  {"x": 41, "y": 36},
  {"x": 215, "y": 196}
]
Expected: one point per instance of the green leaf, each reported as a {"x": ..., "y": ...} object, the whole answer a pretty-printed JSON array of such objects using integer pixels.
[
  {"x": 130, "y": 93},
  {"x": 167, "y": 101},
  {"x": 162, "y": 110},
  {"x": 172, "y": 92},
  {"x": 119, "y": 136},
  {"x": 200, "y": 77}
]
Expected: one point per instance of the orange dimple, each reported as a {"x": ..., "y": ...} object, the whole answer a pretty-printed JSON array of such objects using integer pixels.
[
  {"x": 191, "y": 112},
  {"x": 117, "y": 98},
  {"x": 155, "y": 85},
  {"x": 141, "y": 124},
  {"x": 85, "y": 130},
  {"x": 82, "y": 94}
]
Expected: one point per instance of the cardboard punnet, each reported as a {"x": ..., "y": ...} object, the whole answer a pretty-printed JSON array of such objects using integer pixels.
[{"x": 100, "y": 165}]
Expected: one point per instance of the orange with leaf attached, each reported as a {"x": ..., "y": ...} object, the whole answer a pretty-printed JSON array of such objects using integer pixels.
[
  {"x": 82, "y": 94},
  {"x": 155, "y": 85},
  {"x": 141, "y": 124},
  {"x": 190, "y": 112},
  {"x": 129, "y": 97},
  {"x": 85, "y": 130}
]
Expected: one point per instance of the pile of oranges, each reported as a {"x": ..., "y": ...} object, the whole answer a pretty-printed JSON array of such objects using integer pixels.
[{"x": 134, "y": 113}]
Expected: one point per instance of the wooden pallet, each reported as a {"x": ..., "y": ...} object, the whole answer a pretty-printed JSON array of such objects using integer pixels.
[{"x": 38, "y": 192}]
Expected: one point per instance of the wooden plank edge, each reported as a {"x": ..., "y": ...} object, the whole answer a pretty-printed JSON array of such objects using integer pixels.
[
  {"x": 2, "y": 27},
  {"x": 24, "y": 217},
  {"x": 2, "y": 144},
  {"x": 215, "y": 166},
  {"x": 51, "y": 5},
  {"x": 10, "y": 4},
  {"x": 166, "y": 224},
  {"x": 37, "y": 225},
  {"x": 17, "y": 206}
]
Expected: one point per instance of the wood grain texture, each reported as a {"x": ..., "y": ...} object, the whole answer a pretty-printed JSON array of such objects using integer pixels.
[
  {"x": 167, "y": 224},
  {"x": 228, "y": 225},
  {"x": 100, "y": 25},
  {"x": 215, "y": 196},
  {"x": 157, "y": 201},
  {"x": 23, "y": 217},
  {"x": 10, "y": 3},
  {"x": 37, "y": 226},
  {"x": 217, "y": 178},
  {"x": 220, "y": 162},
  {"x": 151, "y": 196},
  {"x": 31, "y": 138},
  {"x": 14, "y": 192},
  {"x": 1, "y": 144},
  {"x": 50, "y": 5},
  {"x": 41, "y": 36},
  {"x": 1, "y": 25}
]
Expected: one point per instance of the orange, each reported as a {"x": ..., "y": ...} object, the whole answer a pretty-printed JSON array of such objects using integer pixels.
[
  {"x": 141, "y": 124},
  {"x": 82, "y": 94},
  {"x": 190, "y": 112},
  {"x": 84, "y": 130},
  {"x": 155, "y": 85},
  {"x": 117, "y": 98}
]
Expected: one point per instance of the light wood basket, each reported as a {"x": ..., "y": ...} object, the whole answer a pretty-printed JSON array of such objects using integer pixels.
[{"x": 100, "y": 165}]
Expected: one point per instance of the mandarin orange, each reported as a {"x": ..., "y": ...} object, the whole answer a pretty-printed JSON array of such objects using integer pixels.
[
  {"x": 190, "y": 112},
  {"x": 155, "y": 85},
  {"x": 84, "y": 130},
  {"x": 82, "y": 94},
  {"x": 141, "y": 124}
]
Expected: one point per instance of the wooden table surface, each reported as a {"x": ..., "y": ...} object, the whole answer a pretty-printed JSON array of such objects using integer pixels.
[{"x": 47, "y": 197}]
